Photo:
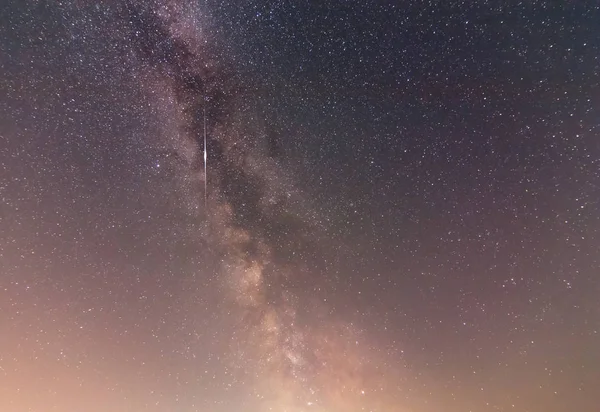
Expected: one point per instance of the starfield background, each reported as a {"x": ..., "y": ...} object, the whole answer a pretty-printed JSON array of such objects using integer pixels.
[{"x": 400, "y": 210}]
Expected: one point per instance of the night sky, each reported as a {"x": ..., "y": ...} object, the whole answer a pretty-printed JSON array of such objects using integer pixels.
[{"x": 401, "y": 214}]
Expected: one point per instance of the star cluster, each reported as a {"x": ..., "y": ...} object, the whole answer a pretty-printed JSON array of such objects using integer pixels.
[{"x": 401, "y": 207}]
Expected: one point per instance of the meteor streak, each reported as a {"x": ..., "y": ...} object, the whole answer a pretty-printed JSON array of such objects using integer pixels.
[{"x": 205, "y": 157}]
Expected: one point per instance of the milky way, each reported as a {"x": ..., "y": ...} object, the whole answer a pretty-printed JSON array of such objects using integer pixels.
[
  {"x": 399, "y": 213},
  {"x": 263, "y": 237}
]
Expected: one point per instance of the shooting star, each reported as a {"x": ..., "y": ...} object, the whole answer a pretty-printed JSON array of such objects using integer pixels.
[{"x": 205, "y": 158}]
